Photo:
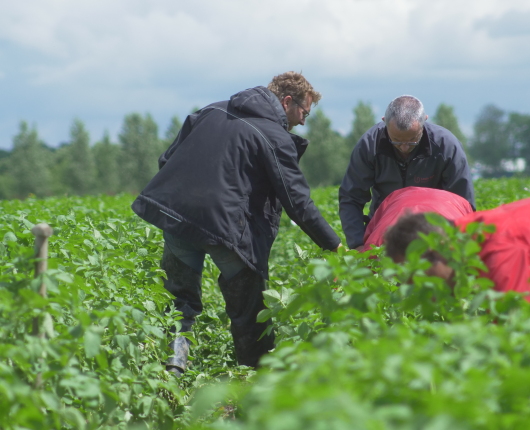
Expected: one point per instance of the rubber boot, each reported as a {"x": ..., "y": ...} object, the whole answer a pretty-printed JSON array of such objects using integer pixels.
[
  {"x": 243, "y": 296},
  {"x": 185, "y": 284},
  {"x": 178, "y": 362}
]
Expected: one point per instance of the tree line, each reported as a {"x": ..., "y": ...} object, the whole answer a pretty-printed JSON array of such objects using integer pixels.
[
  {"x": 79, "y": 167},
  {"x": 499, "y": 139}
]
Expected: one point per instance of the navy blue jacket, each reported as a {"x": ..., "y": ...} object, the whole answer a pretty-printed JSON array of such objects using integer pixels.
[
  {"x": 375, "y": 171},
  {"x": 227, "y": 176}
]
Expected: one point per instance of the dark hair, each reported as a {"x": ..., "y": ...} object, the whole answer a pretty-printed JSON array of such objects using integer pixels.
[{"x": 398, "y": 237}]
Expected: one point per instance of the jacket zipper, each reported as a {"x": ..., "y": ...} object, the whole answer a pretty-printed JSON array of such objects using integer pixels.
[{"x": 403, "y": 170}]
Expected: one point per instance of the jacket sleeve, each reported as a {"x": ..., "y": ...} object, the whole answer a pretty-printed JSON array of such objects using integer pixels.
[
  {"x": 354, "y": 192},
  {"x": 456, "y": 176},
  {"x": 293, "y": 192},
  {"x": 508, "y": 261}
]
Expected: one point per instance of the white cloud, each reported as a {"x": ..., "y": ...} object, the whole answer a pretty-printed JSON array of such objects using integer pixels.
[
  {"x": 123, "y": 55},
  {"x": 513, "y": 23},
  {"x": 134, "y": 42}
]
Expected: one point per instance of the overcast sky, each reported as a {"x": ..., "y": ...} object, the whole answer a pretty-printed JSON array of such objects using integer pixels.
[{"x": 100, "y": 60}]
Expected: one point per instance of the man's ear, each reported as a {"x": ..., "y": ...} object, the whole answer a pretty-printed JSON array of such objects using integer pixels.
[{"x": 286, "y": 102}]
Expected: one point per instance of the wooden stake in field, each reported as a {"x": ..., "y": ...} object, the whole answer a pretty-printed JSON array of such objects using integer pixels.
[{"x": 41, "y": 232}]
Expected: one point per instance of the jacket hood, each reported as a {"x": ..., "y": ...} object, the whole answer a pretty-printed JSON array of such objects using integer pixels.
[
  {"x": 300, "y": 143},
  {"x": 260, "y": 102}
]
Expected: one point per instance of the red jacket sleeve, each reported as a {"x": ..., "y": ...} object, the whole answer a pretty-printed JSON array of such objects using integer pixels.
[
  {"x": 508, "y": 261},
  {"x": 506, "y": 252}
]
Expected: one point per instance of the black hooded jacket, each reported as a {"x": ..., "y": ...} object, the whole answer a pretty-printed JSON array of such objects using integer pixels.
[{"x": 226, "y": 177}]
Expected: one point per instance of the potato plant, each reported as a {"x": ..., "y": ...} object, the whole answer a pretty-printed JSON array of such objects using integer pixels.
[{"x": 361, "y": 342}]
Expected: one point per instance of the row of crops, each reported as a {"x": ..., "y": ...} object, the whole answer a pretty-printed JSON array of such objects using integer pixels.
[{"x": 361, "y": 342}]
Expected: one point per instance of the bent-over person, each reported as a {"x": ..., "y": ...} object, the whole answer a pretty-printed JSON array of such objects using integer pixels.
[
  {"x": 506, "y": 252},
  {"x": 220, "y": 190}
]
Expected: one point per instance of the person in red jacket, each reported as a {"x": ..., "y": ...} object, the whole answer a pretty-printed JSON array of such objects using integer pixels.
[
  {"x": 506, "y": 252},
  {"x": 412, "y": 200}
]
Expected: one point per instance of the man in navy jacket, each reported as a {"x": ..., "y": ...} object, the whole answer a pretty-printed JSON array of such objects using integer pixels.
[
  {"x": 401, "y": 151},
  {"x": 220, "y": 191}
]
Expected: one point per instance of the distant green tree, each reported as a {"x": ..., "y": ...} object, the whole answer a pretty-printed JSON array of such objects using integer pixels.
[
  {"x": 363, "y": 120},
  {"x": 6, "y": 183},
  {"x": 140, "y": 147},
  {"x": 445, "y": 116},
  {"x": 326, "y": 158},
  {"x": 171, "y": 133},
  {"x": 60, "y": 166},
  {"x": 6, "y": 180},
  {"x": 106, "y": 158},
  {"x": 173, "y": 130},
  {"x": 29, "y": 164},
  {"x": 79, "y": 172},
  {"x": 518, "y": 135},
  {"x": 489, "y": 144}
]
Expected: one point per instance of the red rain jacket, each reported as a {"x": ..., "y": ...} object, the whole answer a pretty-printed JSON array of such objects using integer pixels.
[
  {"x": 415, "y": 200},
  {"x": 506, "y": 252}
]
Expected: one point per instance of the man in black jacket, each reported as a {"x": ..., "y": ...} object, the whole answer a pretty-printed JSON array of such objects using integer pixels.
[
  {"x": 220, "y": 191},
  {"x": 399, "y": 152}
]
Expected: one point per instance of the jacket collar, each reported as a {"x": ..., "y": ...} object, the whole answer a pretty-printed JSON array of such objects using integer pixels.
[
  {"x": 300, "y": 143},
  {"x": 384, "y": 147}
]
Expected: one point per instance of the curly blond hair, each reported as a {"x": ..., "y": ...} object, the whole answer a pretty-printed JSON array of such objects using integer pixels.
[{"x": 295, "y": 85}]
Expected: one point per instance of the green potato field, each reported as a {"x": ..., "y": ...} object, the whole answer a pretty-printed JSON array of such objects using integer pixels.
[{"x": 362, "y": 343}]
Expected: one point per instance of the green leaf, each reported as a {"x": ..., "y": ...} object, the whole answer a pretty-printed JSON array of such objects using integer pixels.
[
  {"x": 149, "y": 305},
  {"x": 300, "y": 252},
  {"x": 102, "y": 361},
  {"x": 126, "y": 264},
  {"x": 138, "y": 315},
  {"x": 122, "y": 340},
  {"x": 87, "y": 387},
  {"x": 303, "y": 330},
  {"x": 47, "y": 325},
  {"x": 97, "y": 234},
  {"x": 74, "y": 418},
  {"x": 271, "y": 296},
  {"x": 264, "y": 315},
  {"x": 92, "y": 343},
  {"x": 50, "y": 400},
  {"x": 322, "y": 272},
  {"x": 29, "y": 225},
  {"x": 10, "y": 237},
  {"x": 88, "y": 243},
  {"x": 471, "y": 247},
  {"x": 93, "y": 259},
  {"x": 125, "y": 393},
  {"x": 155, "y": 331},
  {"x": 76, "y": 331}
]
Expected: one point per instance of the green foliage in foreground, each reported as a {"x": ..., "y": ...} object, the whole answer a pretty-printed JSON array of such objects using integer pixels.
[
  {"x": 100, "y": 364},
  {"x": 362, "y": 343}
]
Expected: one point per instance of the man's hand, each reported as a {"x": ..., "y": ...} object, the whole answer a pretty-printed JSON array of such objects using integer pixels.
[
  {"x": 335, "y": 250},
  {"x": 359, "y": 248}
]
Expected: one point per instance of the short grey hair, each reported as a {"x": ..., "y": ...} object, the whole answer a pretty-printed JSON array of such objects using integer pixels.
[{"x": 406, "y": 110}]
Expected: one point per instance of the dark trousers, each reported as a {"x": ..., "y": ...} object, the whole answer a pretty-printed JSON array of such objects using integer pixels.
[{"x": 242, "y": 291}]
